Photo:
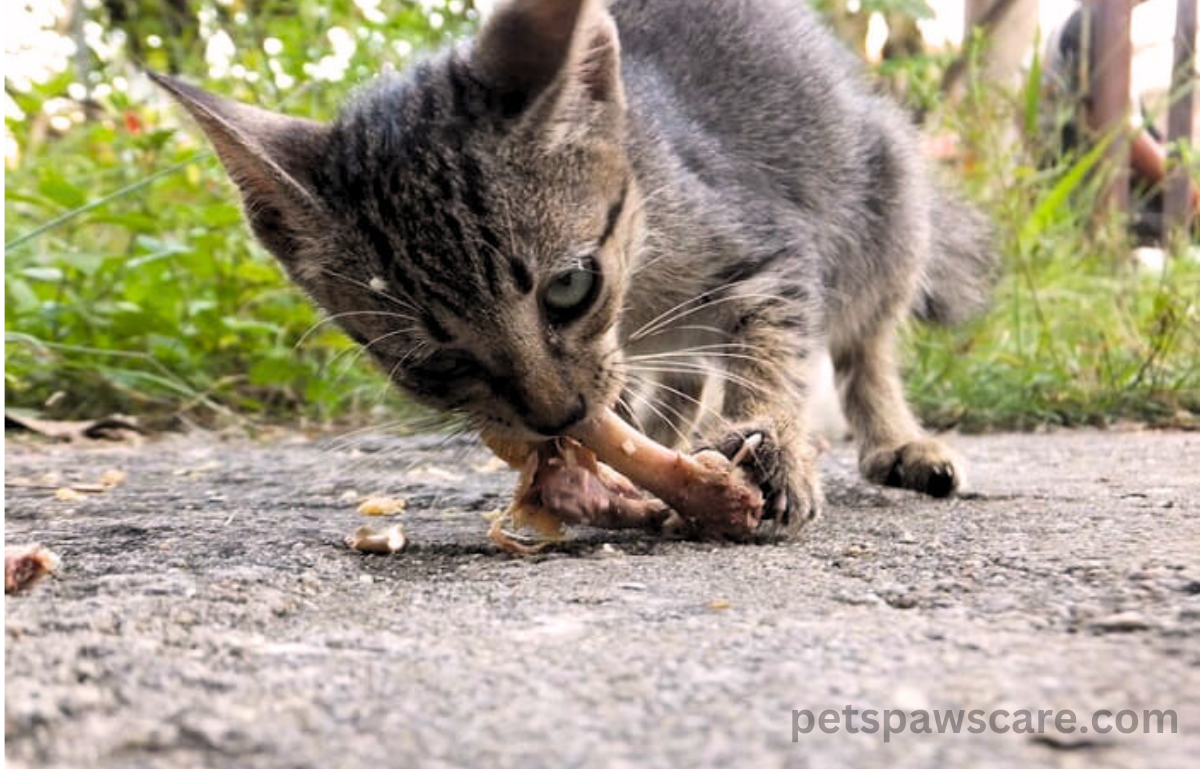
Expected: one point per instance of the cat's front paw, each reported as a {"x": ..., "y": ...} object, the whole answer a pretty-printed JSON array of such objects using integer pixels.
[
  {"x": 788, "y": 479},
  {"x": 926, "y": 465}
]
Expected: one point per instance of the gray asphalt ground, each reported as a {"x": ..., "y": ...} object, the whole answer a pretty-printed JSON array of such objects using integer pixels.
[{"x": 208, "y": 614}]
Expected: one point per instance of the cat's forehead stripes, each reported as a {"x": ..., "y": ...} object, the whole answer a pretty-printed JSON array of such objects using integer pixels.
[
  {"x": 614, "y": 214},
  {"x": 520, "y": 274},
  {"x": 420, "y": 191}
]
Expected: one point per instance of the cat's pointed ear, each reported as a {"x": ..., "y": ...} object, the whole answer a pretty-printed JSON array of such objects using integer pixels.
[
  {"x": 269, "y": 157},
  {"x": 531, "y": 47}
]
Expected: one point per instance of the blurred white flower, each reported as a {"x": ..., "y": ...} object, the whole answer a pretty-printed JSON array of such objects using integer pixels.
[
  {"x": 370, "y": 11},
  {"x": 218, "y": 53},
  {"x": 34, "y": 51},
  {"x": 333, "y": 67}
]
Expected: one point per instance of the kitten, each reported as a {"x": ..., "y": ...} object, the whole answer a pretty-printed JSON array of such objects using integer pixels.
[{"x": 672, "y": 206}]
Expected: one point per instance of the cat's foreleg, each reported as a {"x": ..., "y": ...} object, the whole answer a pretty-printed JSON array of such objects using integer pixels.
[
  {"x": 766, "y": 384},
  {"x": 667, "y": 408}
]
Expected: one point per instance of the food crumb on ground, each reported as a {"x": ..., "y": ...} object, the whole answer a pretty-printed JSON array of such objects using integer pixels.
[
  {"x": 368, "y": 540},
  {"x": 112, "y": 477},
  {"x": 376, "y": 506},
  {"x": 24, "y": 565}
]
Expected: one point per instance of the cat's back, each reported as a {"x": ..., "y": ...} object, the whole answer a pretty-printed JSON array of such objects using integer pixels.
[
  {"x": 763, "y": 81},
  {"x": 734, "y": 61}
]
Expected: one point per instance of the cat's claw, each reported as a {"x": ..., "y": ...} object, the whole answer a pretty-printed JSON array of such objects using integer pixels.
[
  {"x": 790, "y": 493},
  {"x": 749, "y": 444},
  {"x": 781, "y": 506}
]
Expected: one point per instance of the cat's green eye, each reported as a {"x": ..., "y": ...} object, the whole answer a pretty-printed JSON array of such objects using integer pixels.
[{"x": 571, "y": 292}]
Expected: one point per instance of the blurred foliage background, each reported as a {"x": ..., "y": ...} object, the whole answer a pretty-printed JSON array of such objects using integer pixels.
[
  {"x": 132, "y": 286},
  {"x": 140, "y": 290}
]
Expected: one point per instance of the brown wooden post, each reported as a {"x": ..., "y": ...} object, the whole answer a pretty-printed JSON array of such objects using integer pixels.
[
  {"x": 1180, "y": 123},
  {"x": 1109, "y": 54}
]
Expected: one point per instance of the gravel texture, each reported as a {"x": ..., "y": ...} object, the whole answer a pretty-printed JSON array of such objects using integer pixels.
[{"x": 207, "y": 613}]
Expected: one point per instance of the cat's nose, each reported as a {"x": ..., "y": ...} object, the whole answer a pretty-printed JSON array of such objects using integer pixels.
[{"x": 574, "y": 416}]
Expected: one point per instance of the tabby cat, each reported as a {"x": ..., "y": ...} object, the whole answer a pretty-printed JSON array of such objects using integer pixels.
[{"x": 673, "y": 207}]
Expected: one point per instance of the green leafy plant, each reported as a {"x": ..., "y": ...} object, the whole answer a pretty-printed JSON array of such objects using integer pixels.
[
  {"x": 1078, "y": 332},
  {"x": 131, "y": 284}
]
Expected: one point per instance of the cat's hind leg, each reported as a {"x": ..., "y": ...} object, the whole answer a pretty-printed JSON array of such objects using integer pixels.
[
  {"x": 893, "y": 449},
  {"x": 871, "y": 286}
]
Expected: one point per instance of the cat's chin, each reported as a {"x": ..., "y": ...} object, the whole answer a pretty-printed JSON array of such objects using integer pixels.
[{"x": 509, "y": 433}]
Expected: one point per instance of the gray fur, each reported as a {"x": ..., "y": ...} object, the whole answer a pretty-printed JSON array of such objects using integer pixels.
[
  {"x": 746, "y": 198},
  {"x": 958, "y": 277}
]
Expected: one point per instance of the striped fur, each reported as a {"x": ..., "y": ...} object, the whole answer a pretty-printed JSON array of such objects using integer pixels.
[{"x": 743, "y": 197}]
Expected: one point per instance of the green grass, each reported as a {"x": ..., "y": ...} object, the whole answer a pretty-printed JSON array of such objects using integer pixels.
[
  {"x": 1077, "y": 333},
  {"x": 132, "y": 286},
  {"x": 1071, "y": 342},
  {"x": 131, "y": 283},
  {"x": 155, "y": 300}
]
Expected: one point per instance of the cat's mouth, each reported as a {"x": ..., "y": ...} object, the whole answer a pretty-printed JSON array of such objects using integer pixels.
[
  {"x": 534, "y": 428},
  {"x": 519, "y": 415}
]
